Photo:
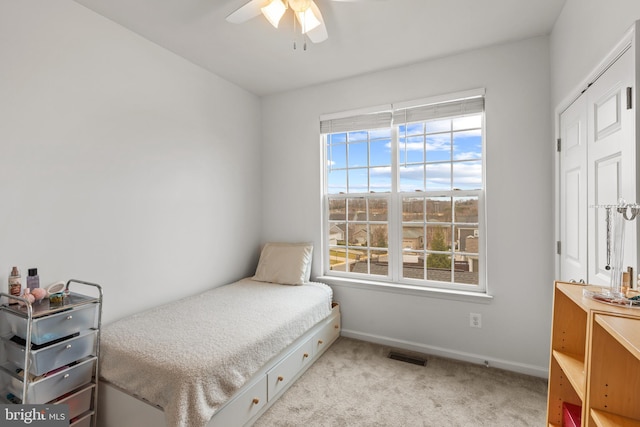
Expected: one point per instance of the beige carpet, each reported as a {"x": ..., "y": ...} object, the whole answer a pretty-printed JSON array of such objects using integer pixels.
[{"x": 355, "y": 384}]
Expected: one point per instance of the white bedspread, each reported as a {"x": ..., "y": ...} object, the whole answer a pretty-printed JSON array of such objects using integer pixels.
[{"x": 190, "y": 356}]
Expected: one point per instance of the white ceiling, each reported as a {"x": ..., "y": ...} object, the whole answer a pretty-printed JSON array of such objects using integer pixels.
[{"x": 364, "y": 36}]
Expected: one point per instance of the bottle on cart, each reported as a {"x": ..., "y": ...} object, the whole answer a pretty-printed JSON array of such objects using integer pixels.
[
  {"x": 15, "y": 287},
  {"x": 33, "y": 280}
]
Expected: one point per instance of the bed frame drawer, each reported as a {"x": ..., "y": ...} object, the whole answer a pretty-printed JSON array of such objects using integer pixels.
[
  {"x": 327, "y": 335},
  {"x": 243, "y": 407},
  {"x": 286, "y": 371}
]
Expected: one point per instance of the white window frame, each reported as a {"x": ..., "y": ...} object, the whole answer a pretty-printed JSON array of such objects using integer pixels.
[{"x": 395, "y": 197}]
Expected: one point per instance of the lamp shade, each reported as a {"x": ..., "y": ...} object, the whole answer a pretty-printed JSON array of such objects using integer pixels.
[
  {"x": 308, "y": 21},
  {"x": 274, "y": 12}
]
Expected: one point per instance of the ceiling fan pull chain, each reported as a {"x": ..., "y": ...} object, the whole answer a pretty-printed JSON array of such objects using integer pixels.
[
  {"x": 304, "y": 34},
  {"x": 294, "y": 31}
]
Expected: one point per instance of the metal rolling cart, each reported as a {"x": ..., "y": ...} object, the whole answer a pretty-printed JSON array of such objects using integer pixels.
[{"x": 49, "y": 353}]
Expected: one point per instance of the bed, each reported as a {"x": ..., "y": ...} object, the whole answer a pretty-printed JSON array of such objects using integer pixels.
[{"x": 221, "y": 357}]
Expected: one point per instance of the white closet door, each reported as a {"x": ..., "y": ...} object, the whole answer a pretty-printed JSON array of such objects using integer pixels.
[
  {"x": 573, "y": 191},
  {"x": 611, "y": 155}
]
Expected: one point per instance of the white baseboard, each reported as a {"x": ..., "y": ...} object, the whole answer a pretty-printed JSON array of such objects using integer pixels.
[{"x": 537, "y": 371}]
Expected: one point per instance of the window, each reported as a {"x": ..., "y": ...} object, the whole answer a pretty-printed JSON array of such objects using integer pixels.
[{"x": 404, "y": 191}]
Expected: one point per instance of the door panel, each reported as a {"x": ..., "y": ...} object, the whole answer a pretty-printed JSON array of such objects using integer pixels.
[
  {"x": 573, "y": 190},
  {"x": 574, "y": 245},
  {"x": 607, "y": 192},
  {"x": 607, "y": 115}
]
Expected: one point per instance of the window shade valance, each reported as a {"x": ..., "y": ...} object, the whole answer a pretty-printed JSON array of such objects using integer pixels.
[
  {"x": 440, "y": 110},
  {"x": 358, "y": 122},
  {"x": 466, "y": 103}
]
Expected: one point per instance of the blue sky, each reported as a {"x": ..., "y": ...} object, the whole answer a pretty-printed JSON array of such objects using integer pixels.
[{"x": 453, "y": 151}]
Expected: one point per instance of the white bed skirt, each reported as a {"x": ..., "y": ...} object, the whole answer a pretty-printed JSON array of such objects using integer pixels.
[{"x": 116, "y": 408}]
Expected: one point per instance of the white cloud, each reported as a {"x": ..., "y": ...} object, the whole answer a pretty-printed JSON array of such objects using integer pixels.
[{"x": 469, "y": 155}]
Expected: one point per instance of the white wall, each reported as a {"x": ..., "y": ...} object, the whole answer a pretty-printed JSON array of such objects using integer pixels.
[
  {"x": 516, "y": 324},
  {"x": 584, "y": 33},
  {"x": 121, "y": 163}
]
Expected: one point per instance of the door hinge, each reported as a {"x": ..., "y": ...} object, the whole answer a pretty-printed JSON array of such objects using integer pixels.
[
  {"x": 559, "y": 247},
  {"x": 559, "y": 145},
  {"x": 629, "y": 98}
]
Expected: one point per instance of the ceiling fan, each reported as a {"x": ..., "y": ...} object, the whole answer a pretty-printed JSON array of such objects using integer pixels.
[{"x": 306, "y": 12}]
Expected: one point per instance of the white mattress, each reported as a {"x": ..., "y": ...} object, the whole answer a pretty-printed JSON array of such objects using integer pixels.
[{"x": 190, "y": 356}]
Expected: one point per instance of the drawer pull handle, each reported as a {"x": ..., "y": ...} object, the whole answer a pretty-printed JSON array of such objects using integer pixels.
[
  {"x": 305, "y": 355},
  {"x": 320, "y": 342},
  {"x": 69, "y": 317},
  {"x": 255, "y": 401},
  {"x": 336, "y": 326},
  {"x": 280, "y": 378},
  {"x": 66, "y": 376},
  {"x": 68, "y": 346}
]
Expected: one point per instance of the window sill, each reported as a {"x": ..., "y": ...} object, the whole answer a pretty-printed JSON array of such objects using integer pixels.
[{"x": 397, "y": 288}]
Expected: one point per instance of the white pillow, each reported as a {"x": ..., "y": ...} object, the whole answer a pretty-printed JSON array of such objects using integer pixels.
[{"x": 285, "y": 263}]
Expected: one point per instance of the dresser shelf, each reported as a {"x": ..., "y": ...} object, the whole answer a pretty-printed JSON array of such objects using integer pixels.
[{"x": 595, "y": 359}]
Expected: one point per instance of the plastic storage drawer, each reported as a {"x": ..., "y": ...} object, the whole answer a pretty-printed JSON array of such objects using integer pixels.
[
  {"x": 54, "y": 356},
  {"x": 55, "y": 326},
  {"x": 82, "y": 422},
  {"x": 79, "y": 402},
  {"x": 46, "y": 389}
]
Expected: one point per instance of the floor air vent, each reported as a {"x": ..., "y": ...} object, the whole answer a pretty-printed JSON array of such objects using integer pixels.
[{"x": 406, "y": 358}]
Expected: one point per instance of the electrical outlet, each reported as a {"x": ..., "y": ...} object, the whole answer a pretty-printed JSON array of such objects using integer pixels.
[{"x": 475, "y": 320}]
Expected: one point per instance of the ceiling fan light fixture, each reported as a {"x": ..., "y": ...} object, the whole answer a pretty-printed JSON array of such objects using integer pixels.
[
  {"x": 306, "y": 13},
  {"x": 274, "y": 11},
  {"x": 308, "y": 20},
  {"x": 299, "y": 5}
]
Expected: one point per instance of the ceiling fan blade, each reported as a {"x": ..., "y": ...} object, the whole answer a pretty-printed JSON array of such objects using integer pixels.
[
  {"x": 318, "y": 34},
  {"x": 246, "y": 12}
]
